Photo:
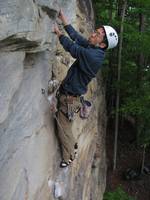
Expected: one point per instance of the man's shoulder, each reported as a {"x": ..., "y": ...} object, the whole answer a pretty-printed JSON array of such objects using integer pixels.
[{"x": 95, "y": 51}]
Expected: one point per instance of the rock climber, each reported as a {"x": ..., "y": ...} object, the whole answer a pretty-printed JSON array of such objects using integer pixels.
[{"x": 89, "y": 54}]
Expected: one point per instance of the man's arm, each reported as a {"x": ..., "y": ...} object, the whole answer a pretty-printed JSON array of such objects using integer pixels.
[
  {"x": 74, "y": 35},
  {"x": 85, "y": 56},
  {"x": 73, "y": 48},
  {"x": 89, "y": 63}
]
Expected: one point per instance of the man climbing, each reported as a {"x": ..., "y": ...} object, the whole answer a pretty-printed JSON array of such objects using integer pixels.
[{"x": 89, "y": 55}]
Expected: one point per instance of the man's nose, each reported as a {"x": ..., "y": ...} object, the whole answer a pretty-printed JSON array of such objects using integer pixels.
[{"x": 93, "y": 34}]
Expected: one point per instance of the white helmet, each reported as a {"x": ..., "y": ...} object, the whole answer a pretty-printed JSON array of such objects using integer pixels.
[{"x": 112, "y": 36}]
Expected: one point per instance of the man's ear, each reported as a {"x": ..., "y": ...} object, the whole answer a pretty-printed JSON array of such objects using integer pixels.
[{"x": 102, "y": 45}]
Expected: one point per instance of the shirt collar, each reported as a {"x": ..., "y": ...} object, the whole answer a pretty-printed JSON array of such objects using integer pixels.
[{"x": 95, "y": 47}]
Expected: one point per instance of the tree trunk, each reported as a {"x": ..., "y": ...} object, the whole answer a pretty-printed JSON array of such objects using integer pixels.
[
  {"x": 140, "y": 63},
  {"x": 124, "y": 5},
  {"x": 143, "y": 158},
  {"x": 109, "y": 93},
  {"x": 141, "y": 56},
  {"x": 110, "y": 10}
]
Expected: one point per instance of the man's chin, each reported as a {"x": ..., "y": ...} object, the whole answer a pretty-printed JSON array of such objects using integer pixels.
[{"x": 89, "y": 41}]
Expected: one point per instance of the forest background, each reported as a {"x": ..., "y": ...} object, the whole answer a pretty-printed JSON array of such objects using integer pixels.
[{"x": 126, "y": 69}]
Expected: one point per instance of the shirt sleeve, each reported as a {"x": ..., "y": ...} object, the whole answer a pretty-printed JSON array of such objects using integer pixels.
[
  {"x": 75, "y": 36},
  {"x": 73, "y": 48},
  {"x": 89, "y": 60}
]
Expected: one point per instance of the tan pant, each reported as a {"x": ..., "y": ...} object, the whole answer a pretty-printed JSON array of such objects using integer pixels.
[{"x": 65, "y": 133}]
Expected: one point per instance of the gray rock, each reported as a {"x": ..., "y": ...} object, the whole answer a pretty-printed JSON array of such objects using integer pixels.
[
  {"x": 11, "y": 74},
  {"x": 25, "y": 26},
  {"x": 17, "y": 16}
]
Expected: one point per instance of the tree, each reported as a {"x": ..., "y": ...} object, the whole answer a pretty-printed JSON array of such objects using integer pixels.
[
  {"x": 124, "y": 5},
  {"x": 134, "y": 85}
]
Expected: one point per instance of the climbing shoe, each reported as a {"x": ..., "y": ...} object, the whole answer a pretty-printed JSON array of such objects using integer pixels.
[
  {"x": 63, "y": 164},
  {"x": 75, "y": 150}
]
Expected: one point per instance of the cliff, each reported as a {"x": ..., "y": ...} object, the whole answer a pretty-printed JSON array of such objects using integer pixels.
[{"x": 30, "y": 56}]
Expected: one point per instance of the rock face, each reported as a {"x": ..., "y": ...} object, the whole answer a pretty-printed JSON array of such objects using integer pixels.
[{"x": 30, "y": 56}]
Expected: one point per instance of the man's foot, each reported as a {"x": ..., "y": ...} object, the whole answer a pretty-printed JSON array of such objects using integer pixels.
[
  {"x": 66, "y": 163},
  {"x": 63, "y": 164},
  {"x": 76, "y": 146},
  {"x": 75, "y": 150}
]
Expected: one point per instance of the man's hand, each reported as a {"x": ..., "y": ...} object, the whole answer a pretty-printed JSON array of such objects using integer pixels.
[
  {"x": 57, "y": 31},
  {"x": 63, "y": 18}
]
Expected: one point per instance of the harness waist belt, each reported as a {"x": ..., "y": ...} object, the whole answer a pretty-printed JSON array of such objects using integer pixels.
[{"x": 68, "y": 93}]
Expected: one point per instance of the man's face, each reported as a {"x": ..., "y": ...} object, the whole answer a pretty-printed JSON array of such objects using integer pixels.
[{"x": 97, "y": 36}]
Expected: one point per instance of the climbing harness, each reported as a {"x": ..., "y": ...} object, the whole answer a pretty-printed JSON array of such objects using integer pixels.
[
  {"x": 71, "y": 108},
  {"x": 85, "y": 107},
  {"x": 70, "y": 103}
]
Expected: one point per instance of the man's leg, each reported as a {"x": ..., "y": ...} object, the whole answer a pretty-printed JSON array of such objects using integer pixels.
[
  {"x": 67, "y": 140},
  {"x": 66, "y": 137}
]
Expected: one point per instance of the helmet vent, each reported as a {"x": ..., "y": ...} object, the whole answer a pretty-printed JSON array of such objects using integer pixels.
[{"x": 111, "y": 34}]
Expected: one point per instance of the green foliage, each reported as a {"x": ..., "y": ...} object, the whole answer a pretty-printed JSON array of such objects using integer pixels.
[
  {"x": 144, "y": 134},
  {"x": 118, "y": 194},
  {"x": 135, "y": 76}
]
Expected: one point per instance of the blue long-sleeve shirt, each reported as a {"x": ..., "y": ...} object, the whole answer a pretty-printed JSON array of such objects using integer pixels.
[{"x": 88, "y": 61}]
